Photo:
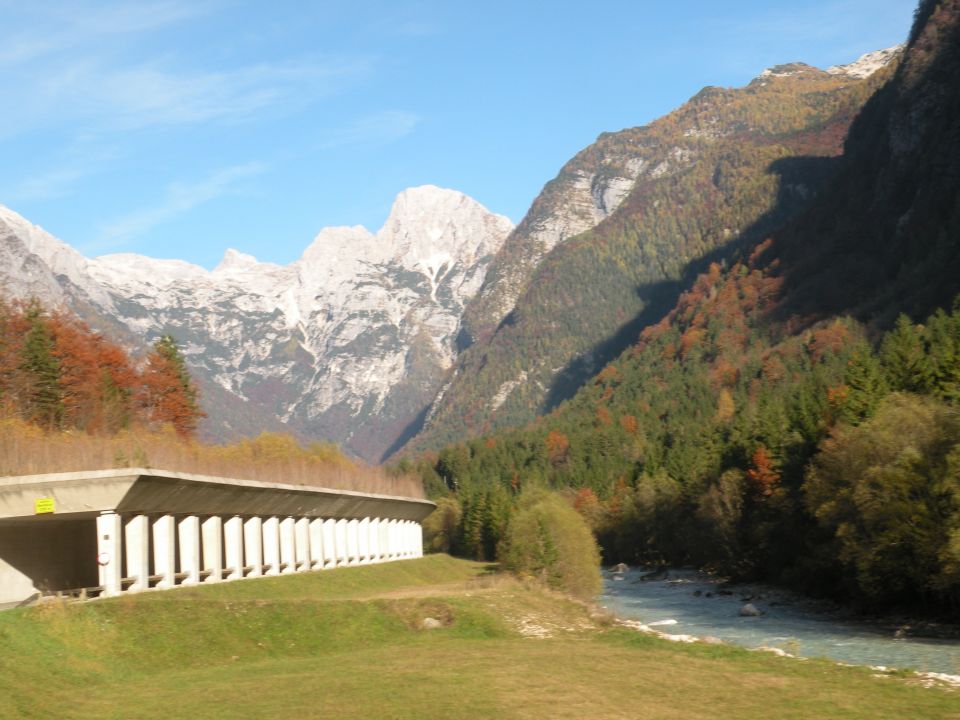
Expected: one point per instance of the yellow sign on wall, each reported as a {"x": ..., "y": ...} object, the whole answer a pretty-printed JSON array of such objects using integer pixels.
[{"x": 43, "y": 505}]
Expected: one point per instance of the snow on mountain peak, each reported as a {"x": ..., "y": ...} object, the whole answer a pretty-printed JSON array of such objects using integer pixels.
[
  {"x": 863, "y": 67},
  {"x": 867, "y": 64}
]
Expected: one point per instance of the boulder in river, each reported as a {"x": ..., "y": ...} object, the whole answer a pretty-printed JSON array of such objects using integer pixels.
[
  {"x": 750, "y": 610},
  {"x": 620, "y": 568},
  {"x": 659, "y": 574}
]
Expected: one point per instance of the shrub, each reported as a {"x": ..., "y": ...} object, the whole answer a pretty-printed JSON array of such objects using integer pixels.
[
  {"x": 549, "y": 540},
  {"x": 440, "y": 527}
]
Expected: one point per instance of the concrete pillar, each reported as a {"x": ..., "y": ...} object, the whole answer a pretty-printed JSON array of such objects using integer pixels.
[
  {"x": 407, "y": 539},
  {"x": 375, "y": 540},
  {"x": 137, "y": 539},
  {"x": 288, "y": 557},
  {"x": 401, "y": 525},
  {"x": 353, "y": 541},
  {"x": 164, "y": 557},
  {"x": 233, "y": 547},
  {"x": 329, "y": 558},
  {"x": 417, "y": 540},
  {"x": 363, "y": 540},
  {"x": 340, "y": 542},
  {"x": 389, "y": 553},
  {"x": 109, "y": 552},
  {"x": 211, "y": 532},
  {"x": 253, "y": 546},
  {"x": 302, "y": 542},
  {"x": 271, "y": 546},
  {"x": 188, "y": 530},
  {"x": 316, "y": 549}
]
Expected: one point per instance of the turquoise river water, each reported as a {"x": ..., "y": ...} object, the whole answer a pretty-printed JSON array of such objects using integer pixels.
[{"x": 701, "y": 606}]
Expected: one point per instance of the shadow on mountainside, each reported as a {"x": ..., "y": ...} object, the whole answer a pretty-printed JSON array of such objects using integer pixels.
[
  {"x": 407, "y": 434},
  {"x": 883, "y": 236},
  {"x": 795, "y": 174}
]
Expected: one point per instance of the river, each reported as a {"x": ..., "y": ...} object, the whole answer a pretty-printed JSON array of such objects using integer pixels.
[{"x": 699, "y": 605}]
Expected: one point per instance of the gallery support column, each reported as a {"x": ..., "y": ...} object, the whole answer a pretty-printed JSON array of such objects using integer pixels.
[
  {"x": 271, "y": 546},
  {"x": 211, "y": 532},
  {"x": 363, "y": 540},
  {"x": 288, "y": 557},
  {"x": 375, "y": 540},
  {"x": 188, "y": 531},
  {"x": 304, "y": 547},
  {"x": 330, "y": 540},
  {"x": 318, "y": 545},
  {"x": 109, "y": 552},
  {"x": 233, "y": 547},
  {"x": 136, "y": 532},
  {"x": 353, "y": 540},
  {"x": 391, "y": 539},
  {"x": 417, "y": 540},
  {"x": 164, "y": 558},
  {"x": 253, "y": 546}
]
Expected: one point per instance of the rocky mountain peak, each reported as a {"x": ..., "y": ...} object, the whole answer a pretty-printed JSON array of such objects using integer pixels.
[
  {"x": 349, "y": 343},
  {"x": 429, "y": 226},
  {"x": 869, "y": 63},
  {"x": 234, "y": 260}
]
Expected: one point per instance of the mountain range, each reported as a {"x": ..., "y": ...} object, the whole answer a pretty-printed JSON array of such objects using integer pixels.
[
  {"x": 349, "y": 343},
  {"x": 449, "y": 322}
]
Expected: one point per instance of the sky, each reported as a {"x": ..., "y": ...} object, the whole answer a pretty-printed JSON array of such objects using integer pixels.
[{"x": 181, "y": 128}]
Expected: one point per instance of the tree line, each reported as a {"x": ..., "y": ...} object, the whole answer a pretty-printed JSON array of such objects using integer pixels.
[
  {"x": 812, "y": 457},
  {"x": 57, "y": 373}
]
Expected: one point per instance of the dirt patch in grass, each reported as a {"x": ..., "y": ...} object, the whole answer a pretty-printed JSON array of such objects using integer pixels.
[{"x": 422, "y": 613}]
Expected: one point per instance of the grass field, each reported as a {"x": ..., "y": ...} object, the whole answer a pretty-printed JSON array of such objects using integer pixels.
[{"x": 349, "y": 643}]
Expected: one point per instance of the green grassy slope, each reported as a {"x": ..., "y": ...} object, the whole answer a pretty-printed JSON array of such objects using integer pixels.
[{"x": 348, "y": 643}]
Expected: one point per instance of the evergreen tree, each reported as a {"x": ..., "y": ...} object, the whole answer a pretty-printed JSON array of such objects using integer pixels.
[
  {"x": 43, "y": 401},
  {"x": 904, "y": 358},
  {"x": 866, "y": 386}
]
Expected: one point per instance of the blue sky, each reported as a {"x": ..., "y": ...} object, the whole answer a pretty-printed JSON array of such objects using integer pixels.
[{"x": 179, "y": 128}]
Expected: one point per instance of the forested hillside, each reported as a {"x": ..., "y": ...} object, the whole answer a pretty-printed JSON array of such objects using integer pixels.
[
  {"x": 780, "y": 421},
  {"x": 717, "y": 175}
]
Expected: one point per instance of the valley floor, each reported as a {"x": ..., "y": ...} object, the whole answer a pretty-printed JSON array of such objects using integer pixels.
[{"x": 351, "y": 643}]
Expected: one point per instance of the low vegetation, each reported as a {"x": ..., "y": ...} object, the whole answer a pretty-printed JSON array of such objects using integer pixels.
[{"x": 352, "y": 643}]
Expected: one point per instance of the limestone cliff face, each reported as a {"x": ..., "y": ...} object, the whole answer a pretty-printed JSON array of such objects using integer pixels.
[{"x": 349, "y": 343}]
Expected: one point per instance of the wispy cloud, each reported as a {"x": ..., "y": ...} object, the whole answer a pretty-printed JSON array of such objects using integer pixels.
[
  {"x": 152, "y": 95},
  {"x": 85, "y": 66},
  {"x": 97, "y": 96},
  {"x": 374, "y": 129},
  {"x": 111, "y": 18},
  {"x": 66, "y": 28},
  {"x": 179, "y": 199}
]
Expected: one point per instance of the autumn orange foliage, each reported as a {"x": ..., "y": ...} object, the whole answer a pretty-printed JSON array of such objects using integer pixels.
[{"x": 763, "y": 472}]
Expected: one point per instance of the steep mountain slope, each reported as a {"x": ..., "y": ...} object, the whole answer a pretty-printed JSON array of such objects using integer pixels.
[
  {"x": 349, "y": 343},
  {"x": 705, "y": 441},
  {"x": 884, "y": 237},
  {"x": 652, "y": 206}
]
